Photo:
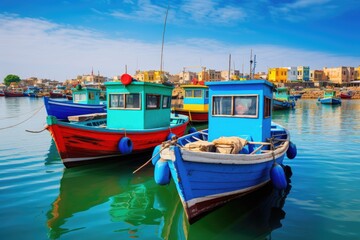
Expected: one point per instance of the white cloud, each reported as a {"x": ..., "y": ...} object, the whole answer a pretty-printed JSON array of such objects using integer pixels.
[{"x": 35, "y": 47}]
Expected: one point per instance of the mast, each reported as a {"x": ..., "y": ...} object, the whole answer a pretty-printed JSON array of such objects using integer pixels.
[
  {"x": 229, "y": 66},
  {"x": 162, "y": 44},
  {"x": 251, "y": 62}
]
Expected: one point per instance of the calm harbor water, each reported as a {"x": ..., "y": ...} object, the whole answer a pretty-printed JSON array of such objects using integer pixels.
[{"x": 40, "y": 199}]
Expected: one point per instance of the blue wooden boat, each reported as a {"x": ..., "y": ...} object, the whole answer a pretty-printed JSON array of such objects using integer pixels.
[
  {"x": 85, "y": 101},
  {"x": 239, "y": 152},
  {"x": 31, "y": 91},
  {"x": 283, "y": 99},
  {"x": 330, "y": 98}
]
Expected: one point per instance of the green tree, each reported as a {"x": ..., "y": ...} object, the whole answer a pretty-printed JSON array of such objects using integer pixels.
[{"x": 11, "y": 78}]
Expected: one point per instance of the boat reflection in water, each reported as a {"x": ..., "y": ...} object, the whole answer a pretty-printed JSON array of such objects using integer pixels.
[
  {"x": 108, "y": 201},
  {"x": 253, "y": 216}
]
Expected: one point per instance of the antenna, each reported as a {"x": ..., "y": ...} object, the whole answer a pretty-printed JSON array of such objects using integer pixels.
[
  {"x": 162, "y": 44},
  {"x": 251, "y": 62},
  {"x": 229, "y": 65}
]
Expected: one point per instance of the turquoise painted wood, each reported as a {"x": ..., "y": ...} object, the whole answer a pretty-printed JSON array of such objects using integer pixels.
[
  {"x": 86, "y": 95},
  {"x": 257, "y": 124},
  {"x": 196, "y": 94},
  {"x": 138, "y": 105}
]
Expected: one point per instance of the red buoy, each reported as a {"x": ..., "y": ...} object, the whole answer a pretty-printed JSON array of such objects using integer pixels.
[{"x": 126, "y": 79}]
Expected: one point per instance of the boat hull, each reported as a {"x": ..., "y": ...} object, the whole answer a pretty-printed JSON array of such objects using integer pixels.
[
  {"x": 345, "y": 96},
  {"x": 330, "y": 101},
  {"x": 282, "y": 104},
  {"x": 194, "y": 115},
  {"x": 80, "y": 144},
  {"x": 12, "y": 94},
  {"x": 63, "y": 109},
  {"x": 206, "y": 180}
]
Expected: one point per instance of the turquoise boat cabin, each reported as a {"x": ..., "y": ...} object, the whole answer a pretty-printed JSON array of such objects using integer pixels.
[
  {"x": 240, "y": 108},
  {"x": 137, "y": 105},
  {"x": 86, "y": 95},
  {"x": 329, "y": 94},
  {"x": 282, "y": 93}
]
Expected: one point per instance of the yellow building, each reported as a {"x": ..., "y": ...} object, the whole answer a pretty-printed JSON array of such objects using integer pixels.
[
  {"x": 357, "y": 73},
  {"x": 277, "y": 75},
  {"x": 150, "y": 76}
]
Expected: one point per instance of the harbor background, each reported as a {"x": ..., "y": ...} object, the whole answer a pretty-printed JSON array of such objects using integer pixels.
[{"x": 41, "y": 199}]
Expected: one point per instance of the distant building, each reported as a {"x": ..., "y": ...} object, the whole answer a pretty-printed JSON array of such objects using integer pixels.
[
  {"x": 357, "y": 73},
  {"x": 303, "y": 74},
  {"x": 340, "y": 75},
  {"x": 292, "y": 74},
  {"x": 151, "y": 76},
  {"x": 277, "y": 75},
  {"x": 318, "y": 76}
]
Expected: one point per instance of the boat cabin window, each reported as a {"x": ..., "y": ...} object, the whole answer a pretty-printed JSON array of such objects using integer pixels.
[
  {"x": 128, "y": 101},
  {"x": 166, "y": 103},
  {"x": 267, "y": 107},
  {"x": 193, "y": 93},
  {"x": 152, "y": 101},
  {"x": 206, "y": 94},
  {"x": 79, "y": 97},
  {"x": 91, "y": 95},
  {"x": 237, "y": 106}
]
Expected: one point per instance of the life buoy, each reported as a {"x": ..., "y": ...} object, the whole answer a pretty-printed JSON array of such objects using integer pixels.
[
  {"x": 278, "y": 177},
  {"x": 156, "y": 154},
  {"x": 125, "y": 145},
  {"x": 162, "y": 173},
  {"x": 292, "y": 151},
  {"x": 126, "y": 79}
]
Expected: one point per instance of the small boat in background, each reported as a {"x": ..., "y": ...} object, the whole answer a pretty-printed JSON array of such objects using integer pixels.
[
  {"x": 346, "y": 94},
  {"x": 195, "y": 103},
  {"x": 138, "y": 118},
  {"x": 14, "y": 92},
  {"x": 2, "y": 93},
  {"x": 85, "y": 101},
  {"x": 282, "y": 99},
  {"x": 58, "y": 92},
  {"x": 240, "y": 152},
  {"x": 330, "y": 98},
  {"x": 32, "y": 91}
]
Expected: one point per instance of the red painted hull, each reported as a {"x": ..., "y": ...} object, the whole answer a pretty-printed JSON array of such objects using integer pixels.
[
  {"x": 11, "y": 94},
  {"x": 345, "y": 96},
  {"x": 79, "y": 145},
  {"x": 194, "y": 116}
]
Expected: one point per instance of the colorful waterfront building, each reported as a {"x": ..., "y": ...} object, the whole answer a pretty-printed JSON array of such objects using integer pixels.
[
  {"x": 277, "y": 75},
  {"x": 357, "y": 73},
  {"x": 340, "y": 75},
  {"x": 303, "y": 73}
]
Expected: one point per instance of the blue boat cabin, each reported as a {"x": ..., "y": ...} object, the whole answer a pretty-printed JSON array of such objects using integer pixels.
[
  {"x": 196, "y": 97},
  {"x": 138, "y": 105},
  {"x": 86, "y": 95},
  {"x": 240, "y": 108}
]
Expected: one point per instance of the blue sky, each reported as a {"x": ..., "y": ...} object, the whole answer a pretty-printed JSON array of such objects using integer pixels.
[{"x": 62, "y": 39}]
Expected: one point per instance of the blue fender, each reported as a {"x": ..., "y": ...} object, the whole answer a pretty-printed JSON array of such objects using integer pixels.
[
  {"x": 162, "y": 173},
  {"x": 156, "y": 154},
  {"x": 278, "y": 178},
  {"x": 170, "y": 136},
  {"x": 125, "y": 145},
  {"x": 192, "y": 130},
  {"x": 292, "y": 151}
]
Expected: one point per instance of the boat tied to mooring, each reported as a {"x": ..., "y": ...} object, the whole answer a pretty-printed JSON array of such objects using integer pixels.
[{"x": 241, "y": 151}]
